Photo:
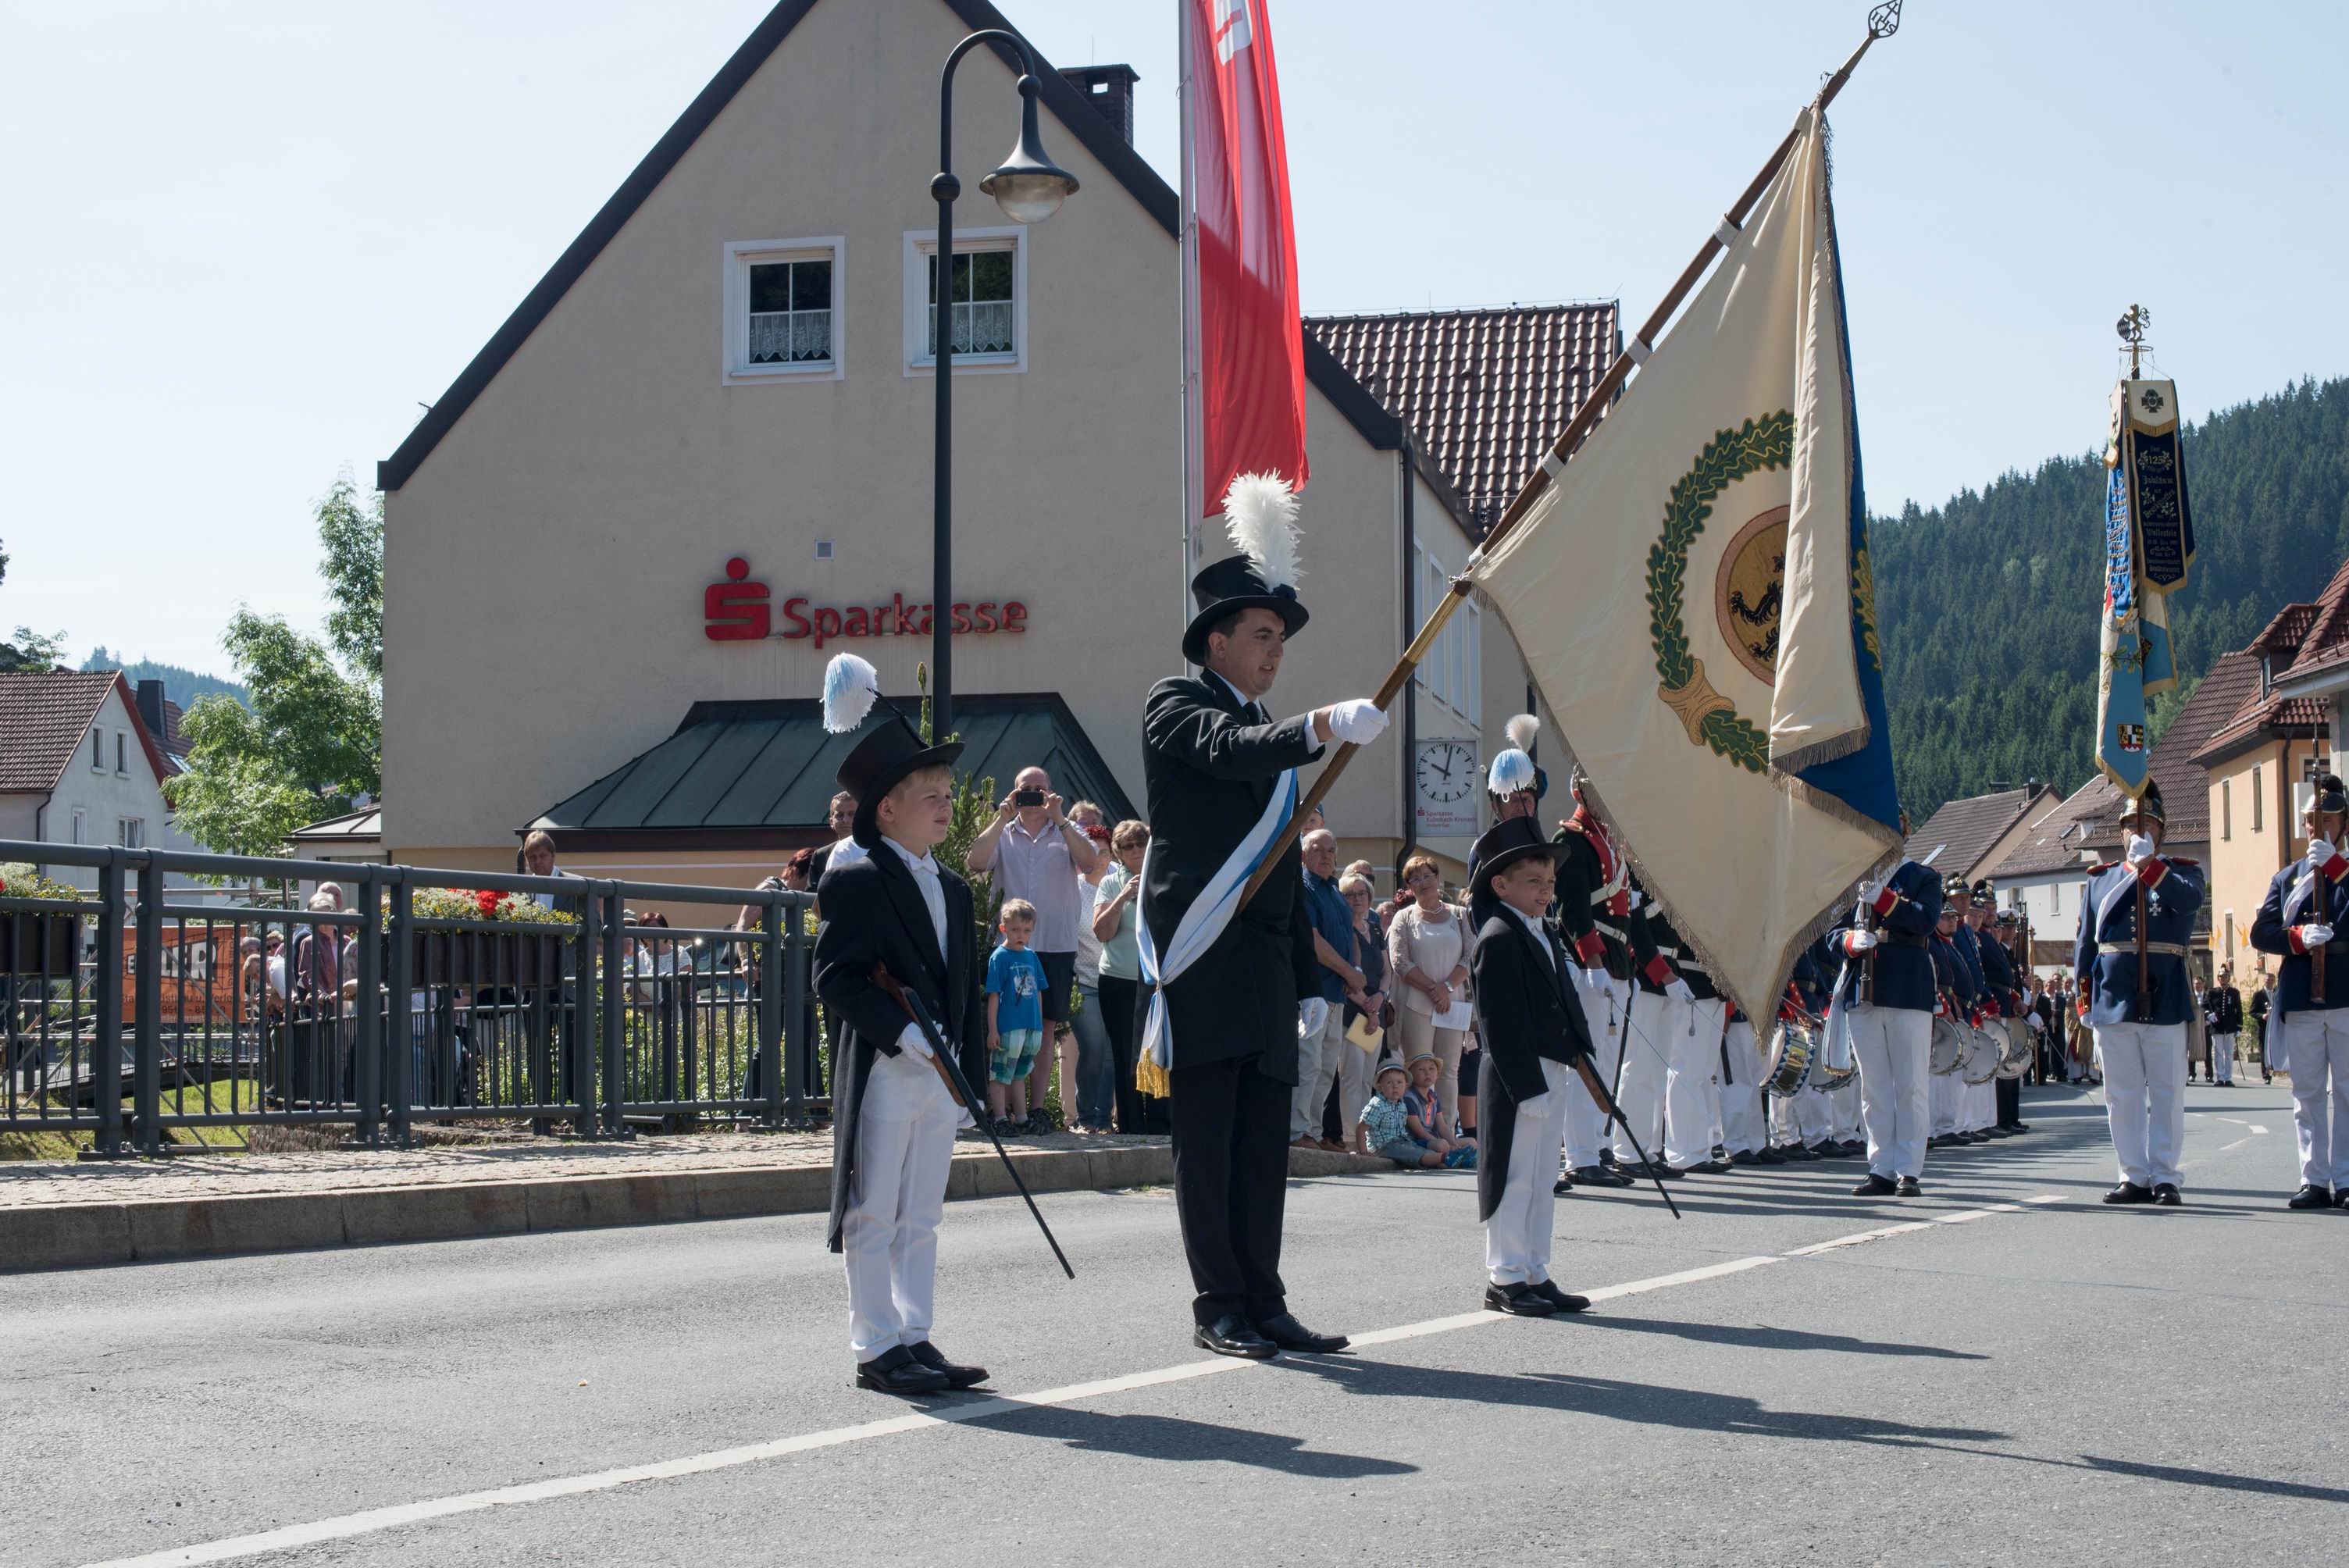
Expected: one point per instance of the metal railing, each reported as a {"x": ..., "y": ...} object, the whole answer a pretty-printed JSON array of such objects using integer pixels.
[{"x": 138, "y": 1010}]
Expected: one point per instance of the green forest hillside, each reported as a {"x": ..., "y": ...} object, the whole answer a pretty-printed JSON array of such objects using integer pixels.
[{"x": 1987, "y": 605}]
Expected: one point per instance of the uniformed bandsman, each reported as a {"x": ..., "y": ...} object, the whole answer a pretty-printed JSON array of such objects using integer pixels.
[
  {"x": 2223, "y": 1015},
  {"x": 1960, "y": 987},
  {"x": 1595, "y": 919},
  {"x": 1692, "y": 1034},
  {"x": 2304, "y": 919},
  {"x": 1891, "y": 1000},
  {"x": 1657, "y": 1008},
  {"x": 2137, "y": 918}
]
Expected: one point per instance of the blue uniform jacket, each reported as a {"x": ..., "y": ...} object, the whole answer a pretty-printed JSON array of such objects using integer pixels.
[
  {"x": 2297, "y": 898},
  {"x": 1998, "y": 975},
  {"x": 1898, "y": 969},
  {"x": 2174, "y": 890},
  {"x": 1951, "y": 969}
]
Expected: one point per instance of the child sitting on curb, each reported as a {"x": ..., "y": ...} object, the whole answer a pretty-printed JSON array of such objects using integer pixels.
[
  {"x": 1428, "y": 1124},
  {"x": 1384, "y": 1126}
]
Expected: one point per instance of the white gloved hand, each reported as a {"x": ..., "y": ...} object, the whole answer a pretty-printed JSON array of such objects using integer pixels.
[
  {"x": 2140, "y": 849},
  {"x": 1636, "y": 897},
  {"x": 2315, "y": 936},
  {"x": 913, "y": 1039},
  {"x": 1677, "y": 990},
  {"x": 1867, "y": 890},
  {"x": 1857, "y": 942},
  {"x": 1311, "y": 1013},
  {"x": 2320, "y": 853},
  {"x": 1357, "y": 721}
]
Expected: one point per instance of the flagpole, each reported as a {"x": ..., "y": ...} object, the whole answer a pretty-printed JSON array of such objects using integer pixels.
[
  {"x": 1187, "y": 252},
  {"x": 1883, "y": 21}
]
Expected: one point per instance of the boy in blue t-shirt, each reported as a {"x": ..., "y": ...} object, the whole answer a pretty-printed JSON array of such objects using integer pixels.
[{"x": 1015, "y": 1016}]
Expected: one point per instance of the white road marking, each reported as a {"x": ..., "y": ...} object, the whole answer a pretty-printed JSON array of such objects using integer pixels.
[{"x": 376, "y": 1520}]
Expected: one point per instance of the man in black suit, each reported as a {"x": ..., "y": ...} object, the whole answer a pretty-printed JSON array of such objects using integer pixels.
[
  {"x": 1217, "y": 768},
  {"x": 894, "y": 1127}
]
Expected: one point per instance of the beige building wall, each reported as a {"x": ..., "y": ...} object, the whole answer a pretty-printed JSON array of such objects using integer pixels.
[
  {"x": 2255, "y": 832},
  {"x": 545, "y": 564}
]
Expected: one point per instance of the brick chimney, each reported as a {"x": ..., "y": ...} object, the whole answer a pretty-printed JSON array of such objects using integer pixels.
[
  {"x": 1110, "y": 89},
  {"x": 150, "y": 708}
]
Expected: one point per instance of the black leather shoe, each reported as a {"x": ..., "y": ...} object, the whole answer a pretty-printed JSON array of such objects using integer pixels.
[
  {"x": 1910, "y": 1188},
  {"x": 1564, "y": 1300},
  {"x": 2341, "y": 1199},
  {"x": 2165, "y": 1193},
  {"x": 2015, "y": 1129},
  {"x": 1993, "y": 1132},
  {"x": 1653, "y": 1170},
  {"x": 1766, "y": 1156},
  {"x": 1940, "y": 1141},
  {"x": 1852, "y": 1149},
  {"x": 956, "y": 1376},
  {"x": 1743, "y": 1157},
  {"x": 2129, "y": 1193},
  {"x": 1601, "y": 1176},
  {"x": 1827, "y": 1149},
  {"x": 895, "y": 1371},
  {"x": 1801, "y": 1154},
  {"x": 1702, "y": 1168},
  {"x": 1231, "y": 1336},
  {"x": 2310, "y": 1197},
  {"x": 1285, "y": 1331},
  {"x": 1518, "y": 1301},
  {"x": 1565, "y": 1182},
  {"x": 1876, "y": 1187}
]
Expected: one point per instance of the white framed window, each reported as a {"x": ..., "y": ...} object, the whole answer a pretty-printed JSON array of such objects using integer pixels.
[
  {"x": 783, "y": 311},
  {"x": 80, "y": 826},
  {"x": 121, "y": 769},
  {"x": 131, "y": 833},
  {"x": 989, "y": 297}
]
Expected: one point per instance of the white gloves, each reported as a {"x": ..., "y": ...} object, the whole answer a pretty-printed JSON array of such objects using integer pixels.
[
  {"x": 1677, "y": 990},
  {"x": 913, "y": 1039},
  {"x": 2315, "y": 936},
  {"x": 1357, "y": 721},
  {"x": 2320, "y": 853},
  {"x": 1867, "y": 890},
  {"x": 2140, "y": 849},
  {"x": 1857, "y": 942},
  {"x": 1311, "y": 1013}
]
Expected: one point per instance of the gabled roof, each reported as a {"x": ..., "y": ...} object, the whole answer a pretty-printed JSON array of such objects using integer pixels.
[
  {"x": 1485, "y": 391},
  {"x": 1080, "y": 119},
  {"x": 2302, "y": 638},
  {"x": 364, "y": 824},
  {"x": 761, "y": 772},
  {"x": 2054, "y": 843},
  {"x": 2176, "y": 761},
  {"x": 45, "y": 717},
  {"x": 1964, "y": 830}
]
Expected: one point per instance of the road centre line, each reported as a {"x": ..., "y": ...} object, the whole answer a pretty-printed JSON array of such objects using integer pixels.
[{"x": 373, "y": 1520}]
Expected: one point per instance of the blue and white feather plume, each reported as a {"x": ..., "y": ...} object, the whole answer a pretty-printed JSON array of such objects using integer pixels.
[
  {"x": 851, "y": 687},
  {"x": 1513, "y": 768}
]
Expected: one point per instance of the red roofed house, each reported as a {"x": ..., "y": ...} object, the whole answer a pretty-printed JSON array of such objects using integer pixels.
[{"x": 78, "y": 766}]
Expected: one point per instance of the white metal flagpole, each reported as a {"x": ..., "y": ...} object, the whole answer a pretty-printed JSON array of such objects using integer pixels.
[{"x": 1192, "y": 439}]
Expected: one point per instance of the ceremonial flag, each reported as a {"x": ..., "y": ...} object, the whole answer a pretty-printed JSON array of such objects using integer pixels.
[
  {"x": 1693, "y": 595},
  {"x": 1244, "y": 381},
  {"x": 2149, "y": 547}
]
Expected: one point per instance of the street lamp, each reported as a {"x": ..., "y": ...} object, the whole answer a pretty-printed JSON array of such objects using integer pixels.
[{"x": 1030, "y": 188}]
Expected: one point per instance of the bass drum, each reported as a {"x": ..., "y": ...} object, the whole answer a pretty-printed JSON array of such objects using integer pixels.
[
  {"x": 2021, "y": 1048},
  {"x": 1792, "y": 1051},
  {"x": 1979, "y": 1062},
  {"x": 1949, "y": 1046},
  {"x": 1838, "y": 1062}
]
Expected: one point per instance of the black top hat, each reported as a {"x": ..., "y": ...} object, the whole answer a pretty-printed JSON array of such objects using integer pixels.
[
  {"x": 882, "y": 759},
  {"x": 1503, "y": 845},
  {"x": 2148, "y": 805},
  {"x": 1224, "y": 588}
]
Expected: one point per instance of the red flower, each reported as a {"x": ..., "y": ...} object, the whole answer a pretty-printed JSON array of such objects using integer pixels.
[{"x": 488, "y": 898}]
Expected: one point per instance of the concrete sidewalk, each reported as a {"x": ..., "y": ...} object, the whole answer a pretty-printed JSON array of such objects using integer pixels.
[{"x": 55, "y": 1216}]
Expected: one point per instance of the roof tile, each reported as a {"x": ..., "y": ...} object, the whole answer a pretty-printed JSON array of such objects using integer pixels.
[{"x": 43, "y": 716}]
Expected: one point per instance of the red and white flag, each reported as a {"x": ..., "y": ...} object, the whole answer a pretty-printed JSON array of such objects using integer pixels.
[{"x": 1247, "y": 370}]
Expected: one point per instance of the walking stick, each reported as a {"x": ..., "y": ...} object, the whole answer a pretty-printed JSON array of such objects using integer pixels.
[
  {"x": 1597, "y": 1088},
  {"x": 949, "y": 1072},
  {"x": 1883, "y": 21}
]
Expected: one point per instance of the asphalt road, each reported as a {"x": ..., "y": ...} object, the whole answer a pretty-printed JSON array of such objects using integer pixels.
[{"x": 2013, "y": 1377}]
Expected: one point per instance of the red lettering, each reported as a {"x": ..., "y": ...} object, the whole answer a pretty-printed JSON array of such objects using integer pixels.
[
  {"x": 961, "y": 619},
  {"x": 928, "y": 622},
  {"x": 985, "y": 616},
  {"x": 901, "y": 619},
  {"x": 827, "y": 624},
  {"x": 858, "y": 625},
  {"x": 1015, "y": 616},
  {"x": 736, "y": 611},
  {"x": 793, "y": 618}
]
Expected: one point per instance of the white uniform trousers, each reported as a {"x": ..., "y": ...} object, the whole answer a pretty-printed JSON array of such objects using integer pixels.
[
  {"x": 1321, "y": 1063},
  {"x": 1646, "y": 1030},
  {"x": 2222, "y": 1058},
  {"x": 1844, "y": 1113},
  {"x": 2145, "y": 1098},
  {"x": 889, "y": 1236},
  {"x": 1692, "y": 1084},
  {"x": 1602, "y": 1010},
  {"x": 1980, "y": 1105},
  {"x": 1805, "y": 1118},
  {"x": 1942, "y": 1100},
  {"x": 1517, "y": 1237},
  {"x": 1894, "y": 1048},
  {"x": 2316, "y": 1053},
  {"x": 1742, "y": 1129}
]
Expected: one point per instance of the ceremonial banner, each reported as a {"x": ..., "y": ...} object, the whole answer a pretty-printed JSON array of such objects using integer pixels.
[
  {"x": 1693, "y": 595},
  {"x": 2149, "y": 547},
  {"x": 1246, "y": 333},
  {"x": 2121, "y": 752}
]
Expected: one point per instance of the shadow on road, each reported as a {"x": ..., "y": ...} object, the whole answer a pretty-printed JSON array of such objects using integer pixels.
[
  {"x": 1774, "y": 1338},
  {"x": 1147, "y": 1436}
]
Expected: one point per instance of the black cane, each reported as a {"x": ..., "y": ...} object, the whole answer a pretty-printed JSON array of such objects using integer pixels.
[
  {"x": 1590, "y": 1080},
  {"x": 950, "y": 1072}
]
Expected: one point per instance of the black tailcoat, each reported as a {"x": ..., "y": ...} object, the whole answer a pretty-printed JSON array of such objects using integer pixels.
[
  {"x": 1210, "y": 772},
  {"x": 874, "y": 913},
  {"x": 1526, "y": 1013}
]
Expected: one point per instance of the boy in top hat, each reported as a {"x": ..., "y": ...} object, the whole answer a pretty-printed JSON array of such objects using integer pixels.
[
  {"x": 894, "y": 908},
  {"x": 1529, "y": 1016},
  {"x": 2305, "y": 918},
  {"x": 2136, "y": 920}
]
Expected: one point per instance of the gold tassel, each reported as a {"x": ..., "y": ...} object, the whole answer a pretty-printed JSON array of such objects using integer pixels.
[{"x": 1152, "y": 1080}]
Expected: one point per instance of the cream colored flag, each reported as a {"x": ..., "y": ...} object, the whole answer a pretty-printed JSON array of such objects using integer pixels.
[{"x": 1692, "y": 597}]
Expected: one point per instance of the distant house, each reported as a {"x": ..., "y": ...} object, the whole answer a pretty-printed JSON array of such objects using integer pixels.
[
  {"x": 1966, "y": 838},
  {"x": 79, "y": 766}
]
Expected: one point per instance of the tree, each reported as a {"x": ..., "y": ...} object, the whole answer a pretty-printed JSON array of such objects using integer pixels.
[
  {"x": 31, "y": 653},
  {"x": 312, "y": 742}
]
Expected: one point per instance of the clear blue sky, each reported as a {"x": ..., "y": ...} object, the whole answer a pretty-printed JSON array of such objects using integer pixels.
[{"x": 246, "y": 241}]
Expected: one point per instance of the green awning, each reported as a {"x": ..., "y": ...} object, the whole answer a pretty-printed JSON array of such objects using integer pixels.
[{"x": 760, "y": 774}]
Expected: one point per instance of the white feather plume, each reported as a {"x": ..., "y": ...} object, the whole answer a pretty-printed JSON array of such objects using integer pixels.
[
  {"x": 1521, "y": 731},
  {"x": 1260, "y": 511},
  {"x": 851, "y": 687}
]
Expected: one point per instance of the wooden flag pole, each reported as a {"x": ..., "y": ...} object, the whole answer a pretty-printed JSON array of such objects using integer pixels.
[{"x": 1882, "y": 23}]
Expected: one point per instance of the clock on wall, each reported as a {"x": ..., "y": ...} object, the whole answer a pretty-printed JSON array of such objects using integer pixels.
[{"x": 1447, "y": 771}]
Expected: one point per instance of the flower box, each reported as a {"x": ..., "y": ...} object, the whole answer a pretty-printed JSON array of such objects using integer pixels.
[
  {"x": 39, "y": 944},
  {"x": 486, "y": 959}
]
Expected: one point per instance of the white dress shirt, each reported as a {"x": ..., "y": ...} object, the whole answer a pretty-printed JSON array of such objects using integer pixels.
[
  {"x": 1534, "y": 929},
  {"x": 924, "y": 868}
]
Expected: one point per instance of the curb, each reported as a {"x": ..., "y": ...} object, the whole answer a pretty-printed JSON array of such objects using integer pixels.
[{"x": 86, "y": 1235}]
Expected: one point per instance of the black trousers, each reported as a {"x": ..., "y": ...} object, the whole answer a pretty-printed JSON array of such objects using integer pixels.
[
  {"x": 1230, "y": 1125},
  {"x": 2010, "y": 1102},
  {"x": 1117, "y": 1000}
]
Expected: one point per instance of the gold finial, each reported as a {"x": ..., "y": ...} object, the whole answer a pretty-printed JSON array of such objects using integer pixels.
[{"x": 2131, "y": 327}]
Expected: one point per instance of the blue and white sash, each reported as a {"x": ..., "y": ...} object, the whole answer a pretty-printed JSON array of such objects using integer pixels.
[{"x": 1204, "y": 921}]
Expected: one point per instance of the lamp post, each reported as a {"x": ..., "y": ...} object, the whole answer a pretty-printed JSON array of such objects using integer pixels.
[{"x": 1030, "y": 188}]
